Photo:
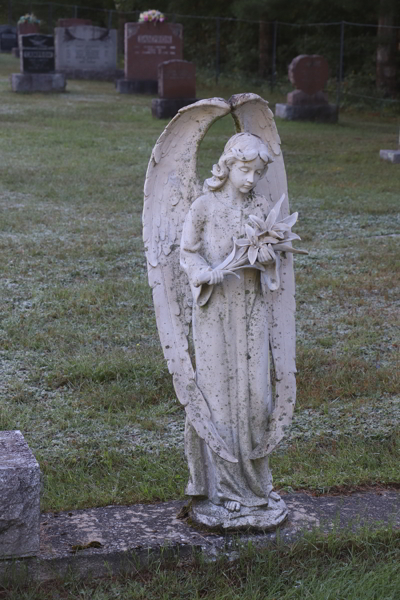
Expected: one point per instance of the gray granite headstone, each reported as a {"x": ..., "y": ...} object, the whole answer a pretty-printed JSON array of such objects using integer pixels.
[
  {"x": 19, "y": 497},
  {"x": 86, "y": 52}
]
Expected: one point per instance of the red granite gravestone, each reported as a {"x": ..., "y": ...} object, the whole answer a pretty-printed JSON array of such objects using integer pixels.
[
  {"x": 72, "y": 22},
  {"x": 177, "y": 79},
  {"x": 176, "y": 88},
  {"x": 309, "y": 75},
  {"x": 146, "y": 46}
]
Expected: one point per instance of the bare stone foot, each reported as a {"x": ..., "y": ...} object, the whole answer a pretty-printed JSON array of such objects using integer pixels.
[
  {"x": 274, "y": 496},
  {"x": 232, "y": 506}
]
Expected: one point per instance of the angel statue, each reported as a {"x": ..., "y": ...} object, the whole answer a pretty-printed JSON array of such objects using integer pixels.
[{"x": 220, "y": 265}]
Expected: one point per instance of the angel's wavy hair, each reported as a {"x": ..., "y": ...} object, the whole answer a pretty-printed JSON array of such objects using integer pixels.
[{"x": 242, "y": 146}]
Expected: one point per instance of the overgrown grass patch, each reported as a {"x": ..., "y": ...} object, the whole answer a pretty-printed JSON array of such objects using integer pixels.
[
  {"x": 333, "y": 567},
  {"x": 81, "y": 369}
]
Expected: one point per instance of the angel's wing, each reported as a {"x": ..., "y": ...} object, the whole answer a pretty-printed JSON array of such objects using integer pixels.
[
  {"x": 170, "y": 188},
  {"x": 252, "y": 115}
]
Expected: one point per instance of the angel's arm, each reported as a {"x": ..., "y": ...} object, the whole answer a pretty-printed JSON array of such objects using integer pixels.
[{"x": 192, "y": 261}]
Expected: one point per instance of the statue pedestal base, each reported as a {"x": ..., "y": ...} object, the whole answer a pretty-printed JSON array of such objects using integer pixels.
[{"x": 265, "y": 518}]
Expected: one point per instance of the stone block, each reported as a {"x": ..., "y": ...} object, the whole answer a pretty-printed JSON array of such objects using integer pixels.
[
  {"x": 309, "y": 73},
  {"x": 86, "y": 52},
  {"x": 325, "y": 113},
  {"x": 162, "y": 108},
  {"x": 19, "y": 497},
  {"x": 299, "y": 98},
  {"x": 136, "y": 86},
  {"x": 38, "y": 82},
  {"x": 177, "y": 79},
  {"x": 392, "y": 156}
]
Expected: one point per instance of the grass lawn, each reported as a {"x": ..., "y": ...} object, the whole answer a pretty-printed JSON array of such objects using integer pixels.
[
  {"x": 81, "y": 370},
  {"x": 82, "y": 374}
]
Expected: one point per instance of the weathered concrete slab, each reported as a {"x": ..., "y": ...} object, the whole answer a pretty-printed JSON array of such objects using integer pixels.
[
  {"x": 392, "y": 156},
  {"x": 19, "y": 497},
  {"x": 102, "y": 541},
  {"x": 323, "y": 113}
]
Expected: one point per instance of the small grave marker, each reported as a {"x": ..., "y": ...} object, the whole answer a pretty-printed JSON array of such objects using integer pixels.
[
  {"x": 19, "y": 497},
  {"x": 309, "y": 75},
  {"x": 392, "y": 156},
  {"x": 176, "y": 88},
  {"x": 8, "y": 38}
]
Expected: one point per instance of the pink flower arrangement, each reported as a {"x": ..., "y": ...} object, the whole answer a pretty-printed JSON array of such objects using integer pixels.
[{"x": 151, "y": 16}]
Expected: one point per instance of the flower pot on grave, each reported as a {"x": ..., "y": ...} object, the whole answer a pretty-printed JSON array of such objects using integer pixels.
[{"x": 24, "y": 28}]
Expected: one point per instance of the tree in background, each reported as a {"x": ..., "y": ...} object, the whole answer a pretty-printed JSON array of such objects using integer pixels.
[{"x": 387, "y": 51}]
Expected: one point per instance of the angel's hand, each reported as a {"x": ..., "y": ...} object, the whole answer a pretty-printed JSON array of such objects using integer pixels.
[
  {"x": 264, "y": 256},
  {"x": 216, "y": 276}
]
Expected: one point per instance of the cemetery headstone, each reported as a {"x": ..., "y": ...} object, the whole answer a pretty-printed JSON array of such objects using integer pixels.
[
  {"x": 19, "y": 497},
  {"x": 37, "y": 66},
  {"x": 86, "y": 52},
  {"x": 176, "y": 88},
  {"x": 147, "y": 45},
  {"x": 8, "y": 38},
  {"x": 308, "y": 102},
  {"x": 392, "y": 156}
]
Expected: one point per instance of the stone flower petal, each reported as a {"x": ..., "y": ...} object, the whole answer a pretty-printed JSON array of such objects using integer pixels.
[
  {"x": 242, "y": 242},
  {"x": 257, "y": 221},
  {"x": 250, "y": 232},
  {"x": 253, "y": 253},
  {"x": 290, "y": 220}
]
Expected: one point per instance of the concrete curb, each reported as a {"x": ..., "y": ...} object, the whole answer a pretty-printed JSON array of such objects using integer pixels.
[{"x": 116, "y": 539}]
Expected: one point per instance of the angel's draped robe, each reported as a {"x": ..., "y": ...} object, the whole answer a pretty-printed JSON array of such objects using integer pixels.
[{"x": 231, "y": 341}]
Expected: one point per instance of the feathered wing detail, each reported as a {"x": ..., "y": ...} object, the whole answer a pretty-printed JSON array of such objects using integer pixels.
[
  {"x": 171, "y": 186},
  {"x": 252, "y": 115}
]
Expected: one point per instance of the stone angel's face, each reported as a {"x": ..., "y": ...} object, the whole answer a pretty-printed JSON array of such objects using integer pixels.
[{"x": 245, "y": 175}]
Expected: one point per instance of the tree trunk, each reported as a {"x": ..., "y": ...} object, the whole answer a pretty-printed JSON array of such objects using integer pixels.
[
  {"x": 121, "y": 33},
  {"x": 264, "y": 48},
  {"x": 386, "y": 51}
]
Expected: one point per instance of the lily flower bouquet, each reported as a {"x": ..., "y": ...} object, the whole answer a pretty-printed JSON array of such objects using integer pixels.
[{"x": 261, "y": 248}]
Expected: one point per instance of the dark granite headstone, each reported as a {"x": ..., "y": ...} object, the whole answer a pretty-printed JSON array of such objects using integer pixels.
[
  {"x": 37, "y": 53},
  {"x": 8, "y": 38}
]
